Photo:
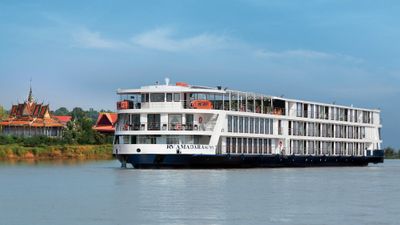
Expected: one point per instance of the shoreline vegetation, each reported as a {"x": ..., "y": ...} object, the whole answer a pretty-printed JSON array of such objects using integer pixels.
[
  {"x": 391, "y": 153},
  {"x": 14, "y": 152}
]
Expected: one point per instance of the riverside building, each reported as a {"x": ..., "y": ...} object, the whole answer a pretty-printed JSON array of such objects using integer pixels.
[{"x": 33, "y": 119}]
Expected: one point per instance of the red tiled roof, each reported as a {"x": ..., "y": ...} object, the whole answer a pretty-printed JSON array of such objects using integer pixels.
[
  {"x": 110, "y": 129},
  {"x": 63, "y": 119},
  {"x": 105, "y": 122},
  {"x": 111, "y": 117},
  {"x": 36, "y": 123}
]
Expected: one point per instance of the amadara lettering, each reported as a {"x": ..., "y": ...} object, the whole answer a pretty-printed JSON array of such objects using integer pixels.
[{"x": 188, "y": 146}]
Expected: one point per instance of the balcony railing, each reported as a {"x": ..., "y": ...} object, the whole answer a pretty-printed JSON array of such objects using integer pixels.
[
  {"x": 179, "y": 126},
  {"x": 153, "y": 126}
]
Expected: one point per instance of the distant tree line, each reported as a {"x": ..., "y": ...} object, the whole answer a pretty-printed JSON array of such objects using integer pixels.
[
  {"x": 391, "y": 153},
  {"x": 79, "y": 112}
]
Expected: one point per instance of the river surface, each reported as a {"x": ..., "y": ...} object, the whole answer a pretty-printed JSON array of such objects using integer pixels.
[{"x": 99, "y": 192}]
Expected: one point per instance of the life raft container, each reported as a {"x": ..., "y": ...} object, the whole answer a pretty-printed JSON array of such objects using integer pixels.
[
  {"x": 202, "y": 104},
  {"x": 124, "y": 105}
]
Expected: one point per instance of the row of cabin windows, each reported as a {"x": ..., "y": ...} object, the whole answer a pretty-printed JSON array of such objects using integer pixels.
[
  {"x": 161, "y": 139},
  {"x": 132, "y": 122},
  {"x": 333, "y": 113},
  {"x": 304, "y": 147},
  {"x": 256, "y": 125},
  {"x": 298, "y": 128},
  {"x": 248, "y": 146},
  {"x": 161, "y": 97}
]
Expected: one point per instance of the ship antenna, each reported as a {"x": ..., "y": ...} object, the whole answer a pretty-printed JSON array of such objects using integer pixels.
[{"x": 167, "y": 81}]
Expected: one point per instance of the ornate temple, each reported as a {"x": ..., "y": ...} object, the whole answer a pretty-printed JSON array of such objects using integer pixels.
[{"x": 32, "y": 119}]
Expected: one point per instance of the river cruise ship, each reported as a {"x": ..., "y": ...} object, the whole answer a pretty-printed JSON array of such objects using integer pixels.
[{"x": 188, "y": 126}]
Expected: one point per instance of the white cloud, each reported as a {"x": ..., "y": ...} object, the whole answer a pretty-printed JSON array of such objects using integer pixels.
[
  {"x": 304, "y": 54},
  {"x": 292, "y": 54},
  {"x": 163, "y": 39},
  {"x": 89, "y": 39}
]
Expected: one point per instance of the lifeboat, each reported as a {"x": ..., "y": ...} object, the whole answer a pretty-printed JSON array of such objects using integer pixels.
[{"x": 202, "y": 104}]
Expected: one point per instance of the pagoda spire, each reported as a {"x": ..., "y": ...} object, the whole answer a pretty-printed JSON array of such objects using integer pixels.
[{"x": 30, "y": 96}]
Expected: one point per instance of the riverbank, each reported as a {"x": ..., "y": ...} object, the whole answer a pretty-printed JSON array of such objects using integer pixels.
[{"x": 18, "y": 152}]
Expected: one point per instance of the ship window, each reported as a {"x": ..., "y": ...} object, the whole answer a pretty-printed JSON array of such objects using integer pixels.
[
  {"x": 267, "y": 131},
  {"x": 246, "y": 124},
  {"x": 189, "y": 121},
  {"x": 255, "y": 146},
  {"x": 229, "y": 123},
  {"x": 265, "y": 146},
  {"x": 145, "y": 98},
  {"x": 235, "y": 124},
  {"x": 379, "y": 133},
  {"x": 250, "y": 148},
  {"x": 233, "y": 145},
  {"x": 153, "y": 121},
  {"x": 241, "y": 124},
  {"x": 239, "y": 145},
  {"x": 133, "y": 139},
  {"x": 239, "y": 141},
  {"x": 251, "y": 125},
  {"x": 157, "y": 97},
  {"x": 175, "y": 121},
  {"x": 244, "y": 145},
  {"x": 146, "y": 139},
  {"x": 125, "y": 139},
  {"x": 257, "y": 125},
  {"x": 299, "y": 109},
  {"x": 135, "y": 122},
  {"x": 169, "y": 97},
  {"x": 262, "y": 126},
  {"x": 312, "y": 111},
  {"x": 228, "y": 145},
  {"x": 177, "y": 97},
  {"x": 271, "y": 126},
  {"x": 173, "y": 140}
]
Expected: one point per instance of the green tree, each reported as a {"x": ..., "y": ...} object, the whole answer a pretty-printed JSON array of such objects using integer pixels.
[
  {"x": 80, "y": 129},
  {"x": 92, "y": 114},
  {"x": 78, "y": 113},
  {"x": 61, "y": 112},
  {"x": 3, "y": 113}
]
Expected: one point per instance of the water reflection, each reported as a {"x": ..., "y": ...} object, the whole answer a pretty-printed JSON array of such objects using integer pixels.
[
  {"x": 76, "y": 192},
  {"x": 176, "y": 196}
]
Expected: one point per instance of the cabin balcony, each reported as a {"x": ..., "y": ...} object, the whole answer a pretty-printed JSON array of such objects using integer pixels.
[{"x": 166, "y": 122}]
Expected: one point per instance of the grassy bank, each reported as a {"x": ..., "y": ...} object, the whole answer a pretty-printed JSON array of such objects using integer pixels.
[{"x": 20, "y": 152}]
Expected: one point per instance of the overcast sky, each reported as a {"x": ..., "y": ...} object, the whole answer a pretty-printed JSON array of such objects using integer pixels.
[{"x": 79, "y": 52}]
